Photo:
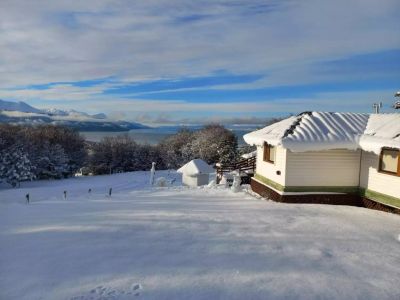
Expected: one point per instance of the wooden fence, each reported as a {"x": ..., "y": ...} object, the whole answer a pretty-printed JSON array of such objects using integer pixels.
[{"x": 242, "y": 166}]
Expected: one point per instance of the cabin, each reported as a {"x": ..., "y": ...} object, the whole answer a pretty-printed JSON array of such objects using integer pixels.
[
  {"x": 196, "y": 173},
  {"x": 330, "y": 158}
]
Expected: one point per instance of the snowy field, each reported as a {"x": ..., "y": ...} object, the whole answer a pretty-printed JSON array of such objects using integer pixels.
[{"x": 182, "y": 243}]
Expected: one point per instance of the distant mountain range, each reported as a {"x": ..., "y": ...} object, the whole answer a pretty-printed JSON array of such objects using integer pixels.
[{"x": 24, "y": 114}]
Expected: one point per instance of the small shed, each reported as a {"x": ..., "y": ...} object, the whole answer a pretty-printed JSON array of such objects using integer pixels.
[{"x": 196, "y": 173}]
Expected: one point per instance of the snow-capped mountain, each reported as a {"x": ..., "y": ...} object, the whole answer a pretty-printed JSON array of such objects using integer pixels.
[
  {"x": 100, "y": 116},
  {"x": 72, "y": 113},
  {"x": 23, "y": 113},
  {"x": 55, "y": 112}
]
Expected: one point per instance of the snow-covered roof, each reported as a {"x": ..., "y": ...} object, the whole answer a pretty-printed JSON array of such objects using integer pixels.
[
  {"x": 316, "y": 131},
  {"x": 196, "y": 167},
  {"x": 272, "y": 134},
  {"x": 383, "y": 130},
  {"x": 313, "y": 131}
]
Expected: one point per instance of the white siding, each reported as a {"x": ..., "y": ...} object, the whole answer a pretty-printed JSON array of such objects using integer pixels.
[
  {"x": 323, "y": 168},
  {"x": 268, "y": 169},
  {"x": 378, "y": 182},
  {"x": 198, "y": 180}
]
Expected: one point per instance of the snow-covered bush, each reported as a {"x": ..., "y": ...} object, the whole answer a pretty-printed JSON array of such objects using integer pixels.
[
  {"x": 161, "y": 182},
  {"x": 15, "y": 166},
  {"x": 212, "y": 184}
]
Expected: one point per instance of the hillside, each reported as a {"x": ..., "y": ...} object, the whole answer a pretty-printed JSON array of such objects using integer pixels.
[
  {"x": 188, "y": 243},
  {"x": 18, "y": 106}
]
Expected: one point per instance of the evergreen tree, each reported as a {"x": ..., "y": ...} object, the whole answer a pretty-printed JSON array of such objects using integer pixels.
[{"x": 15, "y": 166}]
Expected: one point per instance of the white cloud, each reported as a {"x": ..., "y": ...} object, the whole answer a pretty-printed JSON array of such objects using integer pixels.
[
  {"x": 47, "y": 41},
  {"x": 346, "y": 101},
  {"x": 65, "y": 41}
]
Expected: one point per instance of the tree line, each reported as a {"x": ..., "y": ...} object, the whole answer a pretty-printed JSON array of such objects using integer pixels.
[
  {"x": 39, "y": 152},
  {"x": 54, "y": 152},
  {"x": 213, "y": 143}
]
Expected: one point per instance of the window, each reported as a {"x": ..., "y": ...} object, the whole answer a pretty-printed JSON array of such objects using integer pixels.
[
  {"x": 389, "y": 161},
  {"x": 269, "y": 153}
]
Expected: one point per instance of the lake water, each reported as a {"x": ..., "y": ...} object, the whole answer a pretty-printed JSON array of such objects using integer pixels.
[{"x": 153, "y": 136}]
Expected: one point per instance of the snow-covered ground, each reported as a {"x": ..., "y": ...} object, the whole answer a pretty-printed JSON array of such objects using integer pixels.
[{"x": 182, "y": 243}]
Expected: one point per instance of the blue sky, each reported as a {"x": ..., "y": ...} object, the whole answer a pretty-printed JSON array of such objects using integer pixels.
[{"x": 177, "y": 61}]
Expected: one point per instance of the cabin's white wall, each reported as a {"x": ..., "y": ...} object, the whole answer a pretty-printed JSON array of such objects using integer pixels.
[
  {"x": 268, "y": 169},
  {"x": 323, "y": 168},
  {"x": 189, "y": 180},
  {"x": 198, "y": 180},
  {"x": 378, "y": 182}
]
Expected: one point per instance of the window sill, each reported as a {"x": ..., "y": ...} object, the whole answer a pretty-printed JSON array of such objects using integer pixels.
[
  {"x": 388, "y": 173},
  {"x": 270, "y": 162}
]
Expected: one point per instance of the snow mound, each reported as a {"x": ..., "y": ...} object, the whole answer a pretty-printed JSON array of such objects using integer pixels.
[{"x": 161, "y": 182}]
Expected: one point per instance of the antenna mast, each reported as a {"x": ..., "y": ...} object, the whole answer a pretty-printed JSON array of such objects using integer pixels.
[
  {"x": 377, "y": 107},
  {"x": 397, "y": 103}
]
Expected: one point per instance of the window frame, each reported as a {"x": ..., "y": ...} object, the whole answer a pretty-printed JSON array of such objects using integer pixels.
[
  {"x": 266, "y": 154},
  {"x": 381, "y": 161}
]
